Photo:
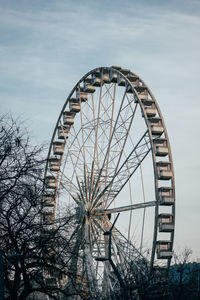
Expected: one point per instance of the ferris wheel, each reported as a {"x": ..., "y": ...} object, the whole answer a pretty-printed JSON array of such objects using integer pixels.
[{"x": 110, "y": 154}]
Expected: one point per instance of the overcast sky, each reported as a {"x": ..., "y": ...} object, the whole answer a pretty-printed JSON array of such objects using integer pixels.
[{"x": 47, "y": 46}]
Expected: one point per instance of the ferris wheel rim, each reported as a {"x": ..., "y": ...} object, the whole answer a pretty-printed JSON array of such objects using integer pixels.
[{"x": 149, "y": 132}]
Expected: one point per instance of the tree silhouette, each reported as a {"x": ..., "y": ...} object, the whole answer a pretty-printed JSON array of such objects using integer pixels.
[{"x": 34, "y": 262}]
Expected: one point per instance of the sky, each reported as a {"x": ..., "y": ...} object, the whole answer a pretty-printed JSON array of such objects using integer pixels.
[{"x": 47, "y": 46}]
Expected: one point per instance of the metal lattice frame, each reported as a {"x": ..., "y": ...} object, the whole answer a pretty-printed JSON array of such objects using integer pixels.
[{"x": 92, "y": 162}]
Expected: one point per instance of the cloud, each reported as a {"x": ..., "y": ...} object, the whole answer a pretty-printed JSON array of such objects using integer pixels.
[
  {"x": 47, "y": 46},
  {"x": 53, "y": 39}
]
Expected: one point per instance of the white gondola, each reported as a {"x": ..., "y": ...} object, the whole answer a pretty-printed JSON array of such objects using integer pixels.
[
  {"x": 161, "y": 147},
  {"x": 89, "y": 89},
  {"x": 58, "y": 147},
  {"x": 164, "y": 249},
  {"x": 113, "y": 77},
  {"x": 74, "y": 105},
  {"x": 141, "y": 89},
  {"x": 81, "y": 96},
  {"x": 143, "y": 96},
  {"x": 150, "y": 109},
  {"x": 54, "y": 164},
  {"x": 164, "y": 170},
  {"x": 96, "y": 79},
  {"x": 68, "y": 118},
  {"x": 88, "y": 86},
  {"x": 146, "y": 101},
  {"x": 87, "y": 80},
  {"x": 166, "y": 222},
  {"x": 63, "y": 132},
  {"x": 157, "y": 130},
  {"x": 142, "y": 92},
  {"x": 149, "y": 106},
  {"x": 106, "y": 78},
  {"x": 166, "y": 195},
  {"x": 121, "y": 80},
  {"x": 125, "y": 71},
  {"x": 156, "y": 126},
  {"x": 133, "y": 79},
  {"x": 51, "y": 182},
  {"x": 161, "y": 151}
]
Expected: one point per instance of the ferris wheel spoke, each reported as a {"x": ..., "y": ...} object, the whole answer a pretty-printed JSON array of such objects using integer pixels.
[
  {"x": 98, "y": 224},
  {"x": 107, "y": 92},
  {"x": 117, "y": 149},
  {"x": 67, "y": 185},
  {"x": 128, "y": 254},
  {"x": 99, "y": 212},
  {"x": 96, "y": 127},
  {"x": 122, "y": 146},
  {"x": 76, "y": 155},
  {"x": 128, "y": 168},
  {"x": 119, "y": 133},
  {"x": 104, "y": 126},
  {"x": 87, "y": 136},
  {"x": 122, "y": 250},
  {"x": 99, "y": 147},
  {"x": 114, "y": 155},
  {"x": 73, "y": 266},
  {"x": 90, "y": 271},
  {"x": 110, "y": 132},
  {"x": 110, "y": 141},
  {"x": 83, "y": 141},
  {"x": 126, "y": 246},
  {"x": 94, "y": 235},
  {"x": 133, "y": 161},
  {"x": 101, "y": 240},
  {"x": 101, "y": 251},
  {"x": 86, "y": 132},
  {"x": 100, "y": 128},
  {"x": 97, "y": 242},
  {"x": 121, "y": 242},
  {"x": 108, "y": 89}
]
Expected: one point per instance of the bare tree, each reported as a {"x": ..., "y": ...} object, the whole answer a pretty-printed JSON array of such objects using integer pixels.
[
  {"x": 28, "y": 256},
  {"x": 179, "y": 268}
]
